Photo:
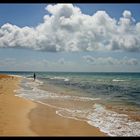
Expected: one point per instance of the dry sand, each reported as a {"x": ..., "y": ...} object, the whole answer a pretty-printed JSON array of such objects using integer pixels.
[{"x": 20, "y": 117}]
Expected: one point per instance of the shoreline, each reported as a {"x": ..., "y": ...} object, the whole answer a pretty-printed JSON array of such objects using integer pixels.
[
  {"x": 21, "y": 117},
  {"x": 56, "y": 125}
]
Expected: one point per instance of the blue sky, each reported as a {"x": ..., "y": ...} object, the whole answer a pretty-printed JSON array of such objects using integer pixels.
[
  {"x": 21, "y": 52},
  {"x": 32, "y": 14}
]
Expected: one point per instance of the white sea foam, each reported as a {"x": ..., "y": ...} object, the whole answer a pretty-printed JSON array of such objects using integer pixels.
[
  {"x": 72, "y": 114},
  {"x": 60, "y": 78},
  {"x": 74, "y": 98},
  {"x": 113, "y": 123},
  {"x": 32, "y": 83},
  {"x": 17, "y": 76},
  {"x": 118, "y": 80}
]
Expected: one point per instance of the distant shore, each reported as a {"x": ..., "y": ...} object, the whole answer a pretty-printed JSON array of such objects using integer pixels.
[{"x": 20, "y": 117}]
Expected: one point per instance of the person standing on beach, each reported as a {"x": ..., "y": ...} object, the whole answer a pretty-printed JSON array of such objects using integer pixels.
[{"x": 34, "y": 76}]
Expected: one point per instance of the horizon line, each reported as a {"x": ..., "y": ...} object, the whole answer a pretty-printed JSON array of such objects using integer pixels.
[{"x": 73, "y": 71}]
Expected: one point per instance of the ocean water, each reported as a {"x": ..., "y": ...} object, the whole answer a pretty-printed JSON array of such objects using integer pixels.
[{"x": 109, "y": 101}]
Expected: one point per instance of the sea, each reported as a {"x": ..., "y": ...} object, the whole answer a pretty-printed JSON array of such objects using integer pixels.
[{"x": 108, "y": 101}]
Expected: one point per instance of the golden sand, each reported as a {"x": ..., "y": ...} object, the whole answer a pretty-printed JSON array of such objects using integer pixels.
[{"x": 13, "y": 110}]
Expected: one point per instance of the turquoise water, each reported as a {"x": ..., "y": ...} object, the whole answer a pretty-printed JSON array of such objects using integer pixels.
[
  {"x": 110, "y": 101},
  {"x": 113, "y": 87}
]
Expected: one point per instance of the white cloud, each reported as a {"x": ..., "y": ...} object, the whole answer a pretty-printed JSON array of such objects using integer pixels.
[
  {"x": 89, "y": 59},
  {"x": 68, "y": 29},
  {"x": 127, "y": 14},
  {"x": 63, "y": 10},
  {"x": 110, "y": 60}
]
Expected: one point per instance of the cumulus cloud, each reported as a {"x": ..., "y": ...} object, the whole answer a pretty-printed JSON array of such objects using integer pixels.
[
  {"x": 89, "y": 59},
  {"x": 110, "y": 60},
  {"x": 66, "y": 28},
  {"x": 127, "y": 14}
]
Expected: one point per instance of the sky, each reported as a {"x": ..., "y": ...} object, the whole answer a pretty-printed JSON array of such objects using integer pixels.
[{"x": 70, "y": 37}]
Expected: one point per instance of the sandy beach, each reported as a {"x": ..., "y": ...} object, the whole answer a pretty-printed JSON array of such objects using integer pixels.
[
  {"x": 20, "y": 117},
  {"x": 13, "y": 110}
]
